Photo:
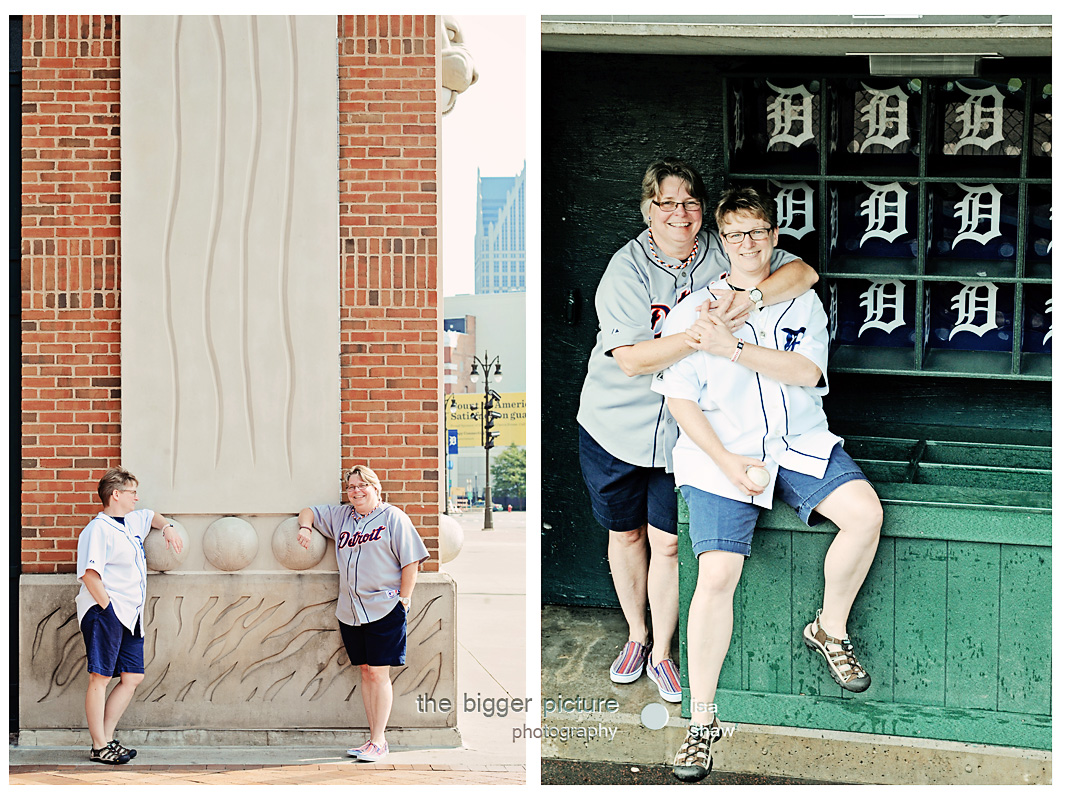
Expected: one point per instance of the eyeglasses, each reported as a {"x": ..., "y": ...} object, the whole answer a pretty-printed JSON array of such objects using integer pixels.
[
  {"x": 353, "y": 486},
  {"x": 756, "y": 235},
  {"x": 134, "y": 491},
  {"x": 670, "y": 205}
]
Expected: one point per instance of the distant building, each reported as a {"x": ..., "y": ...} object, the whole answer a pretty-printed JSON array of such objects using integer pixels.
[
  {"x": 460, "y": 349},
  {"x": 500, "y": 238},
  {"x": 487, "y": 327}
]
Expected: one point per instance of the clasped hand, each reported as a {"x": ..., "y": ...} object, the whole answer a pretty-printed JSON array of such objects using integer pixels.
[{"x": 717, "y": 321}]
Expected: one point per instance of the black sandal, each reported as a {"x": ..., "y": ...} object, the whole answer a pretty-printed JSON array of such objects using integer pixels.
[
  {"x": 108, "y": 755},
  {"x": 123, "y": 751}
]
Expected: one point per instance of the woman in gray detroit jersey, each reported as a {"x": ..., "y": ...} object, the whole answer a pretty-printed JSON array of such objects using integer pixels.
[
  {"x": 625, "y": 431},
  {"x": 378, "y": 556}
]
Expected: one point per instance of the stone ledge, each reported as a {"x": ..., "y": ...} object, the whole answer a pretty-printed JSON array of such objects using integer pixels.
[
  {"x": 311, "y": 737},
  {"x": 235, "y": 652}
]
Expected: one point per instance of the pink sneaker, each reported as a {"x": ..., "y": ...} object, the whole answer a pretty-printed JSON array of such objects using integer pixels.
[
  {"x": 357, "y": 751},
  {"x": 373, "y": 752}
]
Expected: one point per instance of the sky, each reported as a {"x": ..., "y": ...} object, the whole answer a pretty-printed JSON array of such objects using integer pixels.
[{"x": 486, "y": 130}]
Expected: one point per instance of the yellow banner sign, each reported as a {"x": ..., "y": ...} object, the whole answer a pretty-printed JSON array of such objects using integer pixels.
[{"x": 467, "y": 419}]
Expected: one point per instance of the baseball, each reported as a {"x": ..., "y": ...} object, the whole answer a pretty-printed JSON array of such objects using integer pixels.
[{"x": 758, "y": 475}]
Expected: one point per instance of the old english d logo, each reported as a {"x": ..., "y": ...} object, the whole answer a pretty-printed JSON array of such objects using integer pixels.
[{"x": 792, "y": 338}]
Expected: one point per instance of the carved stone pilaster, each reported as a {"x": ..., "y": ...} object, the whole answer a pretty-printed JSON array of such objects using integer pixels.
[{"x": 235, "y": 652}]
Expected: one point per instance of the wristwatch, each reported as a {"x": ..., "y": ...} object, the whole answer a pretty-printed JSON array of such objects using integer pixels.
[
  {"x": 405, "y": 602},
  {"x": 756, "y": 296}
]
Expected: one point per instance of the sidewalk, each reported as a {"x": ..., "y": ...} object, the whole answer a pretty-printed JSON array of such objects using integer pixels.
[
  {"x": 490, "y": 575},
  {"x": 490, "y": 578}
]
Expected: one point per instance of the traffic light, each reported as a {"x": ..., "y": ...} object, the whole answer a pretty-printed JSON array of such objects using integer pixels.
[{"x": 490, "y": 416}]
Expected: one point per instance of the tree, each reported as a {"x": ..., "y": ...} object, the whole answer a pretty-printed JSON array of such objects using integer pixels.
[{"x": 509, "y": 472}]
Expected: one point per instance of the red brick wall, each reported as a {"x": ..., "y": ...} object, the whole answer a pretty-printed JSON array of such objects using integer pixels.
[
  {"x": 70, "y": 279},
  {"x": 390, "y": 318},
  {"x": 390, "y": 384}
]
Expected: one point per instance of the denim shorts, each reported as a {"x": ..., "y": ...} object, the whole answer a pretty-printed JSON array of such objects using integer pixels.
[
  {"x": 722, "y": 523},
  {"x": 110, "y": 648},
  {"x": 381, "y": 643},
  {"x": 625, "y": 496}
]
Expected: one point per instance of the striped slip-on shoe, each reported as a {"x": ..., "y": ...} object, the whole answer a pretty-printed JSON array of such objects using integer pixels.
[
  {"x": 630, "y": 663},
  {"x": 665, "y": 676}
]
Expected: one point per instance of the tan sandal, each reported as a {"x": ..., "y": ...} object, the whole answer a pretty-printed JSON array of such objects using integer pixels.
[
  {"x": 844, "y": 668},
  {"x": 693, "y": 760}
]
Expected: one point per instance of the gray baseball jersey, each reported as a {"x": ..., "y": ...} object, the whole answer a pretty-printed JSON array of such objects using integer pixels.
[
  {"x": 371, "y": 550},
  {"x": 621, "y": 413}
]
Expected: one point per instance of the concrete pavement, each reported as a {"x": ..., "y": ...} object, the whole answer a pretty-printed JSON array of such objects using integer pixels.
[
  {"x": 490, "y": 575},
  {"x": 577, "y": 647},
  {"x": 597, "y": 773},
  {"x": 490, "y": 578}
]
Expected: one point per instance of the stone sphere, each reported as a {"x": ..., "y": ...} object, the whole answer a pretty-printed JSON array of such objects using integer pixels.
[
  {"x": 230, "y": 543},
  {"x": 159, "y": 556},
  {"x": 450, "y": 538},
  {"x": 288, "y": 550}
]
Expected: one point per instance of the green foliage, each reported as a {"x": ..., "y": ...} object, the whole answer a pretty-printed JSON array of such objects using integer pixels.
[{"x": 509, "y": 472}]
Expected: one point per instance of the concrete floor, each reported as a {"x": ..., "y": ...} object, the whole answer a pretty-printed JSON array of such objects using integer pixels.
[{"x": 577, "y": 648}]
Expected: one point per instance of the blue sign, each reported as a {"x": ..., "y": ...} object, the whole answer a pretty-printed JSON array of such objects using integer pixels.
[{"x": 453, "y": 442}]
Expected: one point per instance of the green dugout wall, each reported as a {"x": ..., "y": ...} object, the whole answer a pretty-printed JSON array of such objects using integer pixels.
[{"x": 925, "y": 205}]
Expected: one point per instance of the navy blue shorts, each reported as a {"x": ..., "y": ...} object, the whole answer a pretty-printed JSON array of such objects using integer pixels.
[
  {"x": 382, "y": 643},
  {"x": 110, "y": 648},
  {"x": 624, "y": 496},
  {"x": 722, "y": 523}
]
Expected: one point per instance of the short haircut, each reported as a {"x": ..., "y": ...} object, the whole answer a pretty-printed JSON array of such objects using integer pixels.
[
  {"x": 368, "y": 476},
  {"x": 115, "y": 478},
  {"x": 746, "y": 201},
  {"x": 670, "y": 168}
]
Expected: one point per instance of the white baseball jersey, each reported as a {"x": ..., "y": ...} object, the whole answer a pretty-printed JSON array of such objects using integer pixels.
[
  {"x": 371, "y": 550},
  {"x": 115, "y": 551},
  {"x": 633, "y": 299},
  {"x": 752, "y": 414}
]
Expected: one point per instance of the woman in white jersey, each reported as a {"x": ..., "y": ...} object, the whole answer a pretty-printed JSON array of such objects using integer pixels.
[
  {"x": 625, "y": 431},
  {"x": 378, "y": 556},
  {"x": 110, "y": 602}
]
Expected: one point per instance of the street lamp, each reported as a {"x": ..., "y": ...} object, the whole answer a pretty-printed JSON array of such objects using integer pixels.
[
  {"x": 448, "y": 405},
  {"x": 489, "y": 416}
]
